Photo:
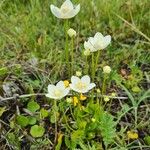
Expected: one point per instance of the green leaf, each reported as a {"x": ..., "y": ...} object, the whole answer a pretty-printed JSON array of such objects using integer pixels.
[
  {"x": 67, "y": 142},
  {"x": 58, "y": 146},
  {"x": 128, "y": 93},
  {"x": 43, "y": 113},
  {"x": 13, "y": 140},
  {"x": 136, "y": 89},
  {"x": 37, "y": 131},
  {"x": 147, "y": 140},
  {"x": 54, "y": 115},
  {"x": 3, "y": 71},
  {"x": 77, "y": 135},
  {"x": 33, "y": 106},
  {"x": 2, "y": 110},
  {"x": 107, "y": 128},
  {"x": 32, "y": 120},
  {"x": 22, "y": 121}
]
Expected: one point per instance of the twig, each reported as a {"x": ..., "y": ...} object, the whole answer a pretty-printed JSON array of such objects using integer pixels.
[
  {"x": 42, "y": 94},
  {"x": 20, "y": 96}
]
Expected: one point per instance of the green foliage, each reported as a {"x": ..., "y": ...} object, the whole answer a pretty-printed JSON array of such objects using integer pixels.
[
  {"x": 44, "y": 113},
  {"x": 54, "y": 115},
  {"x": 2, "y": 110},
  {"x": 37, "y": 131},
  {"x": 147, "y": 140},
  {"x": 3, "y": 71},
  {"x": 31, "y": 57},
  {"x": 13, "y": 140},
  {"x": 23, "y": 121},
  {"x": 107, "y": 128},
  {"x": 58, "y": 146},
  {"x": 40, "y": 144},
  {"x": 32, "y": 120},
  {"x": 33, "y": 106}
]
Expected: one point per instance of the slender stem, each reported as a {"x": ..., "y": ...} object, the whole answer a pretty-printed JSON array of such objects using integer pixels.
[
  {"x": 135, "y": 115},
  {"x": 86, "y": 65},
  {"x": 72, "y": 56},
  {"x": 67, "y": 45},
  {"x": 55, "y": 107},
  {"x": 97, "y": 59},
  {"x": 93, "y": 68},
  {"x": 104, "y": 85}
]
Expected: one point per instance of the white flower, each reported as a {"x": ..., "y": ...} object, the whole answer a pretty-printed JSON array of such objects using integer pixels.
[
  {"x": 82, "y": 85},
  {"x": 107, "y": 69},
  {"x": 57, "y": 92},
  {"x": 98, "y": 42},
  {"x": 71, "y": 32},
  {"x": 66, "y": 11}
]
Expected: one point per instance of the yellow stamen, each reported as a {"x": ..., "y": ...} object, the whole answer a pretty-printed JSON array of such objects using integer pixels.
[
  {"x": 132, "y": 135},
  {"x": 57, "y": 93},
  {"x": 80, "y": 85},
  {"x": 82, "y": 97},
  {"x": 66, "y": 83},
  {"x": 75, "y": 101},
  {"x": 65, "y": 9}
]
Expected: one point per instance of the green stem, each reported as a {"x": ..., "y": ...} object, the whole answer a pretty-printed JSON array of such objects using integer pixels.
[
  {"x": 93, "y": 68},
  {"x": 55, "y": 106},
  {"x": 86, "y": 65},
  {"x": 67, "y": 45},
  {"x": 72, "y": 56},
  {"x": 104, "y": 85},
  {"x": 97, "y": 59}
]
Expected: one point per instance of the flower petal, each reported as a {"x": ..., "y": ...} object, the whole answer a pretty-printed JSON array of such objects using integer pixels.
[
  {"x": 107, "y": 40},
  {"x": 71, "y": 13},
  {"x": 60, "y": 85},
  {"x": 50, "y": 96},
  {"x": 56, "y": 11},
  {"x": 51, "y": 88},
  {"x": 75, "y": 79},
  {"x": 72, "y": 86},
  {"x": 91, "y": 86},
  {"x": 67, "y": 4},
  {"x": 89, "y": 46},
  {"x": 66, "y": 92},
  {"x": 76, "y": 9},
  {"x": 86, "y": 79},
  {"x": 84, "y": 91},
  {"x": 98, "y": 36}
]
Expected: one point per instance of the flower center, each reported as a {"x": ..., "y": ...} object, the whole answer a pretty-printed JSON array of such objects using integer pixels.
[
  {"x": 80, "y": 85},
  {"x": 65, "y": 9},
  {"x": 57, "y": 93}
]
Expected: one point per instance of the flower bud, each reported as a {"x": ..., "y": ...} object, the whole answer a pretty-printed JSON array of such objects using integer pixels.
[
  {"x": 78, "y": 73},
  {"x": 87, "y": 52},
  {"x": 93, "y": 119},
  {"x": 113, "y": 94},
  {"x": 106, "y": 99},
  {"x": 69, "y": 100},
  {"x": 98, "y": 90},
  {"x": 71, "y": 32},
  {"x": 107, "y": 69}
]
